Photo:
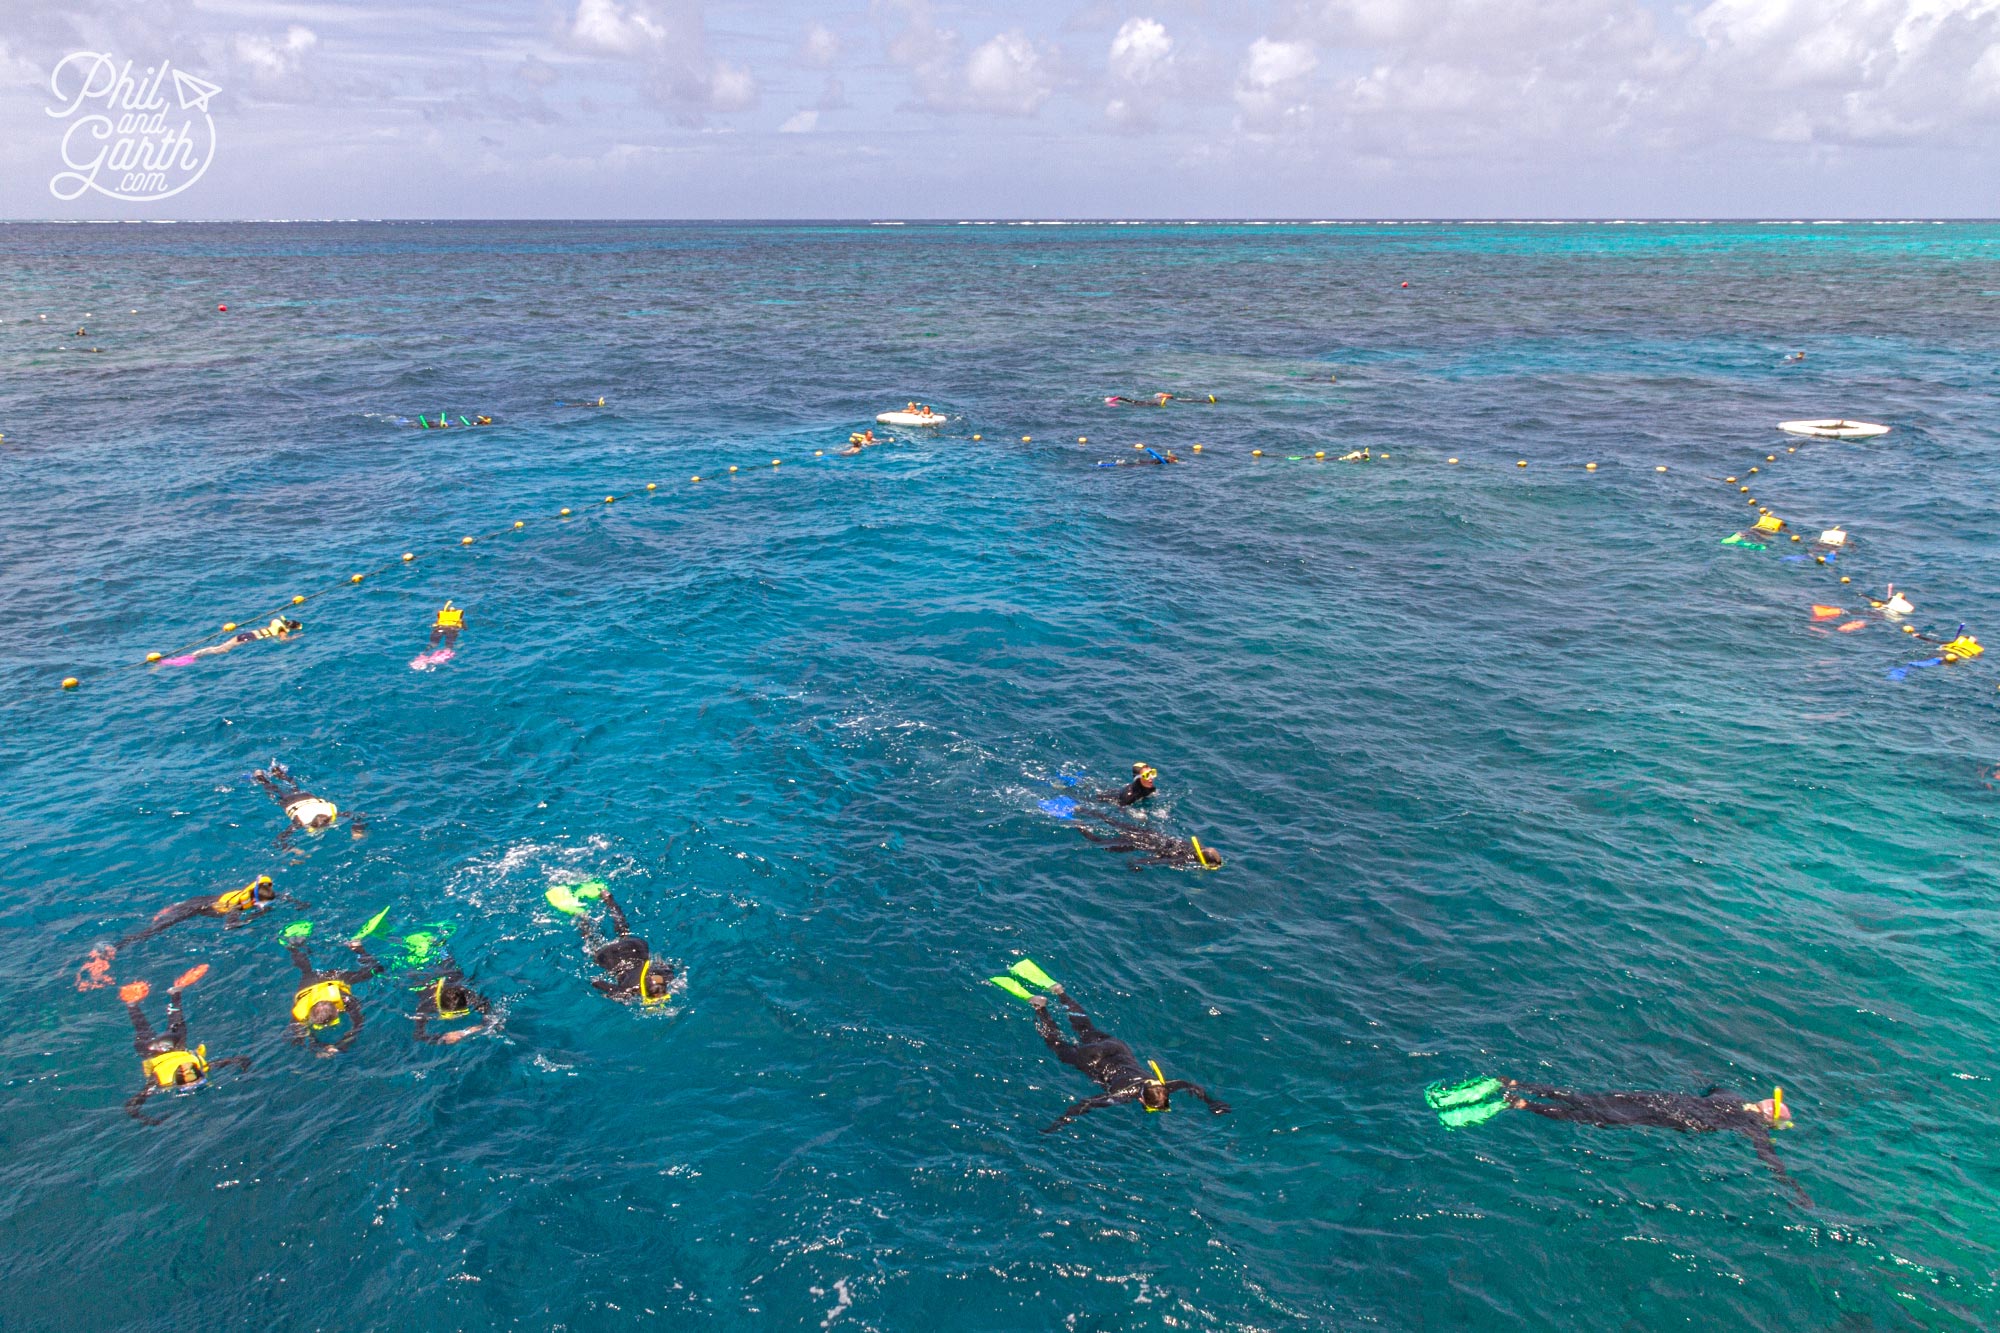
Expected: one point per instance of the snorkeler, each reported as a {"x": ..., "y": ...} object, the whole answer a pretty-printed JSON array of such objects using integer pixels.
[
  {"x": 627, "y": 958},
  {"x": 1151, "y": 400},
  {"x": 1100, "y": 1056},
  {"x": 857, "y": 441},
  {"x": 324, "y": 999},
  {"x": 1478, "y": 1100},
  {"x": 1159, "y": 848},
  {"x": 234, "y": 908},
  {"x": 1144, "y": 775},
  {"x": 444, "y": 997},
  {"x": 305, "y": 810},
  {"x": 1356, "y": 456},
  {"x": 280, "y": 629},
  {"x": 450, "y": 620},
  {"x": 167, "y": 1062}
]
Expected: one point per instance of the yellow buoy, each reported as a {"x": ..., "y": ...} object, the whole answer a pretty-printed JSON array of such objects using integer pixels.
[
  {"x": 1026, "y": 438},
  {"x": 1197, "y": 448},
  {"x": 732, "y": 467},
  {"x": 1770, "y": 458},
  {"x": 298, "y": 601},
  {"x": 69, "y": 682},
  {"x": 563, "y": 514},
  {"x": 355, "y": 579},
  {"x": 1742, "y": 490},
  {"x": 228, "y": 626},
  {"x": 975, "y": 437},
  {"x": 609, "y": 499},
  {"x": 1845, "y": 579},
  {"x": 1083, "y": 439},
  {"x": 821, "y": 453},
  {"x": 1753, "y": 469},
  {"x": 408, "y": 556},
  {"x": 1661, "y": 468},
  {"x": 1256, "y": 453},
  {"x": 776, "y": 461},
  {"x": 519, "y": 524},
  {"x": 465, "y": 541},
  {"x": 1138, "y": 446},
  {"x": 694, "y": 478},
  {"x": 1382, "y": 456},
  {"x": 1730, "y": 480},
  {"x": 1590, "y": 467},
  {"x": 1522, "y": 463},
  {"x": 152, "y": 657},
  {"x": 1795, "y": 536},
  {"x": 1909, "y": 629},
  {"x": 1320, "y": 454},
  {"x": 1792, "y": 450},
  {"x": 652, "y": 485}
]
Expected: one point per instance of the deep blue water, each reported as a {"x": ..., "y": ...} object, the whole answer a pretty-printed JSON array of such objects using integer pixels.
[{"x": 1516, "y": 771}]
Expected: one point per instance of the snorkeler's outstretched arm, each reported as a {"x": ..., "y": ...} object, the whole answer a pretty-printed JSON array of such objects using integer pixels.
[
  {"x": 371, "y": 966},
  {"x": 617, "y": 914},
  {"x": 1761, "y": 1137},
  {"x": 136, "y": 1106},
  {"x": 1182, "y": 1085},
  {"x": 1089, "y": 1104},
  {"x": 1046, "y": 1025}
]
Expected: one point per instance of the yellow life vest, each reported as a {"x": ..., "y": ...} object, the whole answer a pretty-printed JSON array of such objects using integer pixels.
[
  {"x": 239, "y": 899},
  {"x": 451, "y": 618},
  {"x": 335, "y": 992},
  {"x": 437, "y": 1001},
  {"x": 665, "y": 995},
  {"x": 165, "y": 1068},
  {"x": 270, "y": 631}
]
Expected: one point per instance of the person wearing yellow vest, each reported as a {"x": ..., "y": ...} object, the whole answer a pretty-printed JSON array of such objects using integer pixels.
[
  {"x": 168, "y": 1064},
  {"x": 444, "y": 997},
  {"x": 635, "y": 973},
  {"x": 325, "y": 1000},
  {"x": 305, "y": 810},
  {"x": 450, "y": 620},
  {"x": 235, "y": 907},
  {"x": 280, "y": 629}
]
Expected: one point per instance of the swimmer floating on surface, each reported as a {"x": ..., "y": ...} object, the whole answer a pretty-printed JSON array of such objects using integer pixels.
[
  {"x": 305, "y": 810},
  {"x": 1144, "y": 775},
  {"x": 234, "y": 908},
  {"x": 280, "y": 629},
  {"x": 444, "y": 997},
  {"x": 860, "y": 440},
  {"x": 450, "y": 620},
  {"x": 326, "y": 999},
  {"x": 1476, "y": 1101},
  {"x": 168, "y": 1064},
  {"x": 629, "y": 960},
  {"x": 1159, "y": 848},
  {"x": 1097, "y": 1054}
]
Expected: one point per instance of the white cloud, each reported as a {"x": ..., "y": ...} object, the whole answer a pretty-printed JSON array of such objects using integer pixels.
[
  {"x": 821, "y": 46},
  {"x": 1140, "y": 51},
  {"x": 669, "y": 43},
  {"x": 269, "y": 59},
  {"x": 608, "y": 28},
  {"x": 800, "y": 122},
  {"x": 730, "y": 87},
  {"x": 1009, "y": 76},
  {"x": 1271, "y": 89}
]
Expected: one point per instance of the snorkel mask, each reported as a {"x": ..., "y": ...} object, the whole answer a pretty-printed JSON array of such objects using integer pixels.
[{"x": 1159, "y": 1081}]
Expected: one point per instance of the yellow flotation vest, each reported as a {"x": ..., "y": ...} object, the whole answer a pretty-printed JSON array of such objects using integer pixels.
[
  {"x": 236, "y": 900},
  {"x": 437, "y": 1001},
  {"x": 1964, "y": 646},
  {"x": 165, "y": 1068},
  {"x": 334, "y": 992},
  {"x": 270, "y": 631},
  {"x": 451, "y": 618}
]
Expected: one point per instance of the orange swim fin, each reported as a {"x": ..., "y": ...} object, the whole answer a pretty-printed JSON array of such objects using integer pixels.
[
  {"x": 189, "y": 977},
  {"x": 134, "y": 991},
  {"x": 1852, "y": 626},
  {"x": 95, "y": 974},
  {"x": 1826, "y": 612}
]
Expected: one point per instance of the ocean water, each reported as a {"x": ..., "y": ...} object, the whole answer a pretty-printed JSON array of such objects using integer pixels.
[{"x": 1516, "y": 770}]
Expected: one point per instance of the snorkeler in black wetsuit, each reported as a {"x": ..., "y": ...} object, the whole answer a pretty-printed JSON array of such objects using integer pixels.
[
  {"x": 1159, "y": 848},
  {"x": 235, "y": 907},
  {"x": 443, "y": 996},
  {"x": 1685, "y": 1113},
  {"x": 325, "y": 998},
  {"x": 629, "y": 959},
  {"x": 1108, "y": 1062},
  {"x": 168, "y": 1063},
  {"x": 305, "y": 810},
  {"x": 1144, "y": 775}
]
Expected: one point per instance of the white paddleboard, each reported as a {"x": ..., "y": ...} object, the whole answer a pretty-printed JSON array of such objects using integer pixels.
[
  {"x": 909, "y": 419},
  {"x": 1833, "y": 429}
]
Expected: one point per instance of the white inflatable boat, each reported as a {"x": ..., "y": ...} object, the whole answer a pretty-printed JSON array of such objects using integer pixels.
[
  {"x": 909, "y": 419},
  {"x": 1833, "y": 429}
]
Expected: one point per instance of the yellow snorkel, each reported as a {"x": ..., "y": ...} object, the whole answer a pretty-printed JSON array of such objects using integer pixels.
[
  {"x": 1779, "y": 1120},
  {"x": 1160, "y": 1079},
  {"x": 1200, "y": 857}
]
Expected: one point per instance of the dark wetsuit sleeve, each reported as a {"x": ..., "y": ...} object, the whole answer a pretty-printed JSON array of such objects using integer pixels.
[
  {"x": 1089, "y": 1104},
  {"x": 617, "y": 915},
  {"x": 167, "y": 917},
  {"x": 1760, "y": 1136},
  {"x": 136, "y": 1106},
  {"x": 177, "y": 1024},
  {"x": 370, "y": 967},
  {"x": 1182, "y": 1085},
  {"x": 143, "y": 1035},
  {"x": 303, "y": 962}
]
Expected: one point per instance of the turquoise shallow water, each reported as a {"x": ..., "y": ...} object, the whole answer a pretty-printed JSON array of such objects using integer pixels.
[{"x": 1517, "y": 771}]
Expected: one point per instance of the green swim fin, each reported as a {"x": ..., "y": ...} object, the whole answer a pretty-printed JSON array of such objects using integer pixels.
[
  {"x": 369, "y": 929},
  {"x": 1465, "y": 1117},
  {"x": 564, "y": 900},
  {"x": 1442, "y": 1095},
  {"x": 591, "y": 888},
  {"x": 1012, "y": 987},
  {"x": 1030, "y": 971},
  {"x": 298, "y": 930},
  {"x": 418, "y": 948}
]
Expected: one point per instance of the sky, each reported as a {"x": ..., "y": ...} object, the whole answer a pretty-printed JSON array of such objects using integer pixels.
[{"x": 1036, "y": 108}]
